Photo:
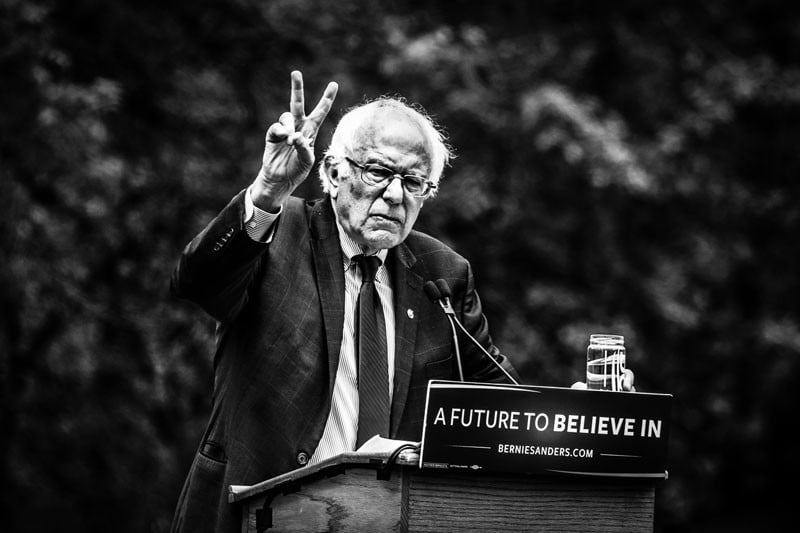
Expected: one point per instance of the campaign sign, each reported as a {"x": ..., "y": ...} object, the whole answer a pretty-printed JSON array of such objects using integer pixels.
[{"x": 532, "y": 429}]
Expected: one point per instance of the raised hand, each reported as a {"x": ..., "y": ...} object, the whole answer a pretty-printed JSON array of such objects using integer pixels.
[{"x": 289, "y": 147}]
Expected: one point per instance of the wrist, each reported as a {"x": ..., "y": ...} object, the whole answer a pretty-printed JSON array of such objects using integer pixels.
[{"x": 267, "y": 196}]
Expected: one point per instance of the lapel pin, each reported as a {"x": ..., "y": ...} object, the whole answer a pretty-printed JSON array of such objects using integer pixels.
[{"x": 410, "y": 313}]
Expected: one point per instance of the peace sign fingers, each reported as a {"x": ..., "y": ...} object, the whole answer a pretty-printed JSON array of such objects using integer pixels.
[{"x": 309, "y": 125}]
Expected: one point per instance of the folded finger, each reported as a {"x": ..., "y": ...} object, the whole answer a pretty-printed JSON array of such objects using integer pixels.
[
  {"x": 304, "y": 151},
  {"x": 287, "y": 120},
  {"x": 276, "y": 133},
  {"x": 295, "y": 138}
]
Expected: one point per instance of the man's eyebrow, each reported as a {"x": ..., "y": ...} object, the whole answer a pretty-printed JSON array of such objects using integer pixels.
[{"x": 375, "y": 158}]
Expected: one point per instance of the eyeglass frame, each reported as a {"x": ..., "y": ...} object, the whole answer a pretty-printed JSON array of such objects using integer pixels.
[{"x": 431, "y": 186}]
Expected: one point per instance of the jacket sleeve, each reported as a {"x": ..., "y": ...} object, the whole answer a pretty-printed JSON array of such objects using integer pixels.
[{"x": 218, "y": 266}]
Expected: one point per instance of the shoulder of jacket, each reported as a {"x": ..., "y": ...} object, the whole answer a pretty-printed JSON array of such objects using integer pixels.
[{"x": 426, "y": 248}]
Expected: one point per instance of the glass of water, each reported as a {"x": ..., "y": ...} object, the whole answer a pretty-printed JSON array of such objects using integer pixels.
[{"x": 605, "y": 362}]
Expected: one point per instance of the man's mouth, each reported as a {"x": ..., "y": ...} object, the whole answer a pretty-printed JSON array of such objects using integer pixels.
[{"x": 386, "y": 218}]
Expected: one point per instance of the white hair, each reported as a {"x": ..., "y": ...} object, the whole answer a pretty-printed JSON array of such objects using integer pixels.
[{"x": 344, "y": 136}]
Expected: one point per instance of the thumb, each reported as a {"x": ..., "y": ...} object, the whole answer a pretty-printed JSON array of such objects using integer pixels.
[{"x": 305, "y": 153}]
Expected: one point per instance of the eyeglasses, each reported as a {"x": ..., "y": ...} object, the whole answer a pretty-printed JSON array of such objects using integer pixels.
[{"x": 377, "y": 175}]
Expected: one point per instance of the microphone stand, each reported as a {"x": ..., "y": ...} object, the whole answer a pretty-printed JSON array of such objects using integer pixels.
[
  {"x": 440, "y": 293},
  {"x": 492, "y": 359},
  {"x": 444, "y": 303}
]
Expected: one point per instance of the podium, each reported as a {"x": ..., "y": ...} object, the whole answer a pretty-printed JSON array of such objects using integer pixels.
[
  {"x": 375, "y": 492},
  {"x": 492, "y": 458}
]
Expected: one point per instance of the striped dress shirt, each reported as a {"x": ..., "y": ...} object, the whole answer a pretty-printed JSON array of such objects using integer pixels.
[{"x": 342, "y": 425}]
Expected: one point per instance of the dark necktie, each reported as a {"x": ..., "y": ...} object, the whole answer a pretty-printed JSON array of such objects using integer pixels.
[{"x": 373, "y": 374}]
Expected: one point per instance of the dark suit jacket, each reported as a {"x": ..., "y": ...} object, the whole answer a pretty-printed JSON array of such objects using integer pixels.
[{"x": 280, "y": 313}]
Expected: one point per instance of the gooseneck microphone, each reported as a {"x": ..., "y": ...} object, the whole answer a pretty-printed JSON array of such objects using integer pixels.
[
  {"x": 439, "y": 292},
  {"x": 435, "y": 295}
]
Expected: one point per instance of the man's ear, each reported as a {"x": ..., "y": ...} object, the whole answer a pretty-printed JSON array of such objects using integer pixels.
[{"x": 329, "y": 166}]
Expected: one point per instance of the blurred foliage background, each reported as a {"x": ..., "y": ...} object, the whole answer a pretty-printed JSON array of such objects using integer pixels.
[{"x": 626, "y": 167}]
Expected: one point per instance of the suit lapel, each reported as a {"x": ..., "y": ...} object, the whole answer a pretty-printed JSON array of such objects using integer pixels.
[
  {"x": 330, "y": 278},
  {"x": 407, "y": 294}
]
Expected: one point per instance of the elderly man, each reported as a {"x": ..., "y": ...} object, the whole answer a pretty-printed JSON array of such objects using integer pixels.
[{"x": 325, "y": 336}]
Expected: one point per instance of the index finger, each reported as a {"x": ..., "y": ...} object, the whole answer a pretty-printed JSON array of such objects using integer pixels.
[
  {"x": 297, "y": 105},
  {"x": 322, "y": 108}
]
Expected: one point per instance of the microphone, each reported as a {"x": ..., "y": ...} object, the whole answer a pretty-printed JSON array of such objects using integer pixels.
[
  {"x": 434, "y": 292},
  {"x": 439, "y": 292},
  {"x": 444, "y": 289}
]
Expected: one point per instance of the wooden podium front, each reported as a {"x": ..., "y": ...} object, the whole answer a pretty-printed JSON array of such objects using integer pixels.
[{"x": 375, "y": 492}]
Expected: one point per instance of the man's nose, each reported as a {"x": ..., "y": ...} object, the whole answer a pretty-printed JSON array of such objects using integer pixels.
[{"x": 393, "y": 193}]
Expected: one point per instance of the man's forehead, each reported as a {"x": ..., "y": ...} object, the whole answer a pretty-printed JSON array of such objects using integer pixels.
[{"x": 392, "y": 128}]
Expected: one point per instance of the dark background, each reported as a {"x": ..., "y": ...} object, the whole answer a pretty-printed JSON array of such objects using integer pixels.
[{"x": 627, "y": 167}]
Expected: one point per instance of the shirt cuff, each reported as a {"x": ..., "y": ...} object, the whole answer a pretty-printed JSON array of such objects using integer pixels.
[{"x": 259, "y": 224}]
